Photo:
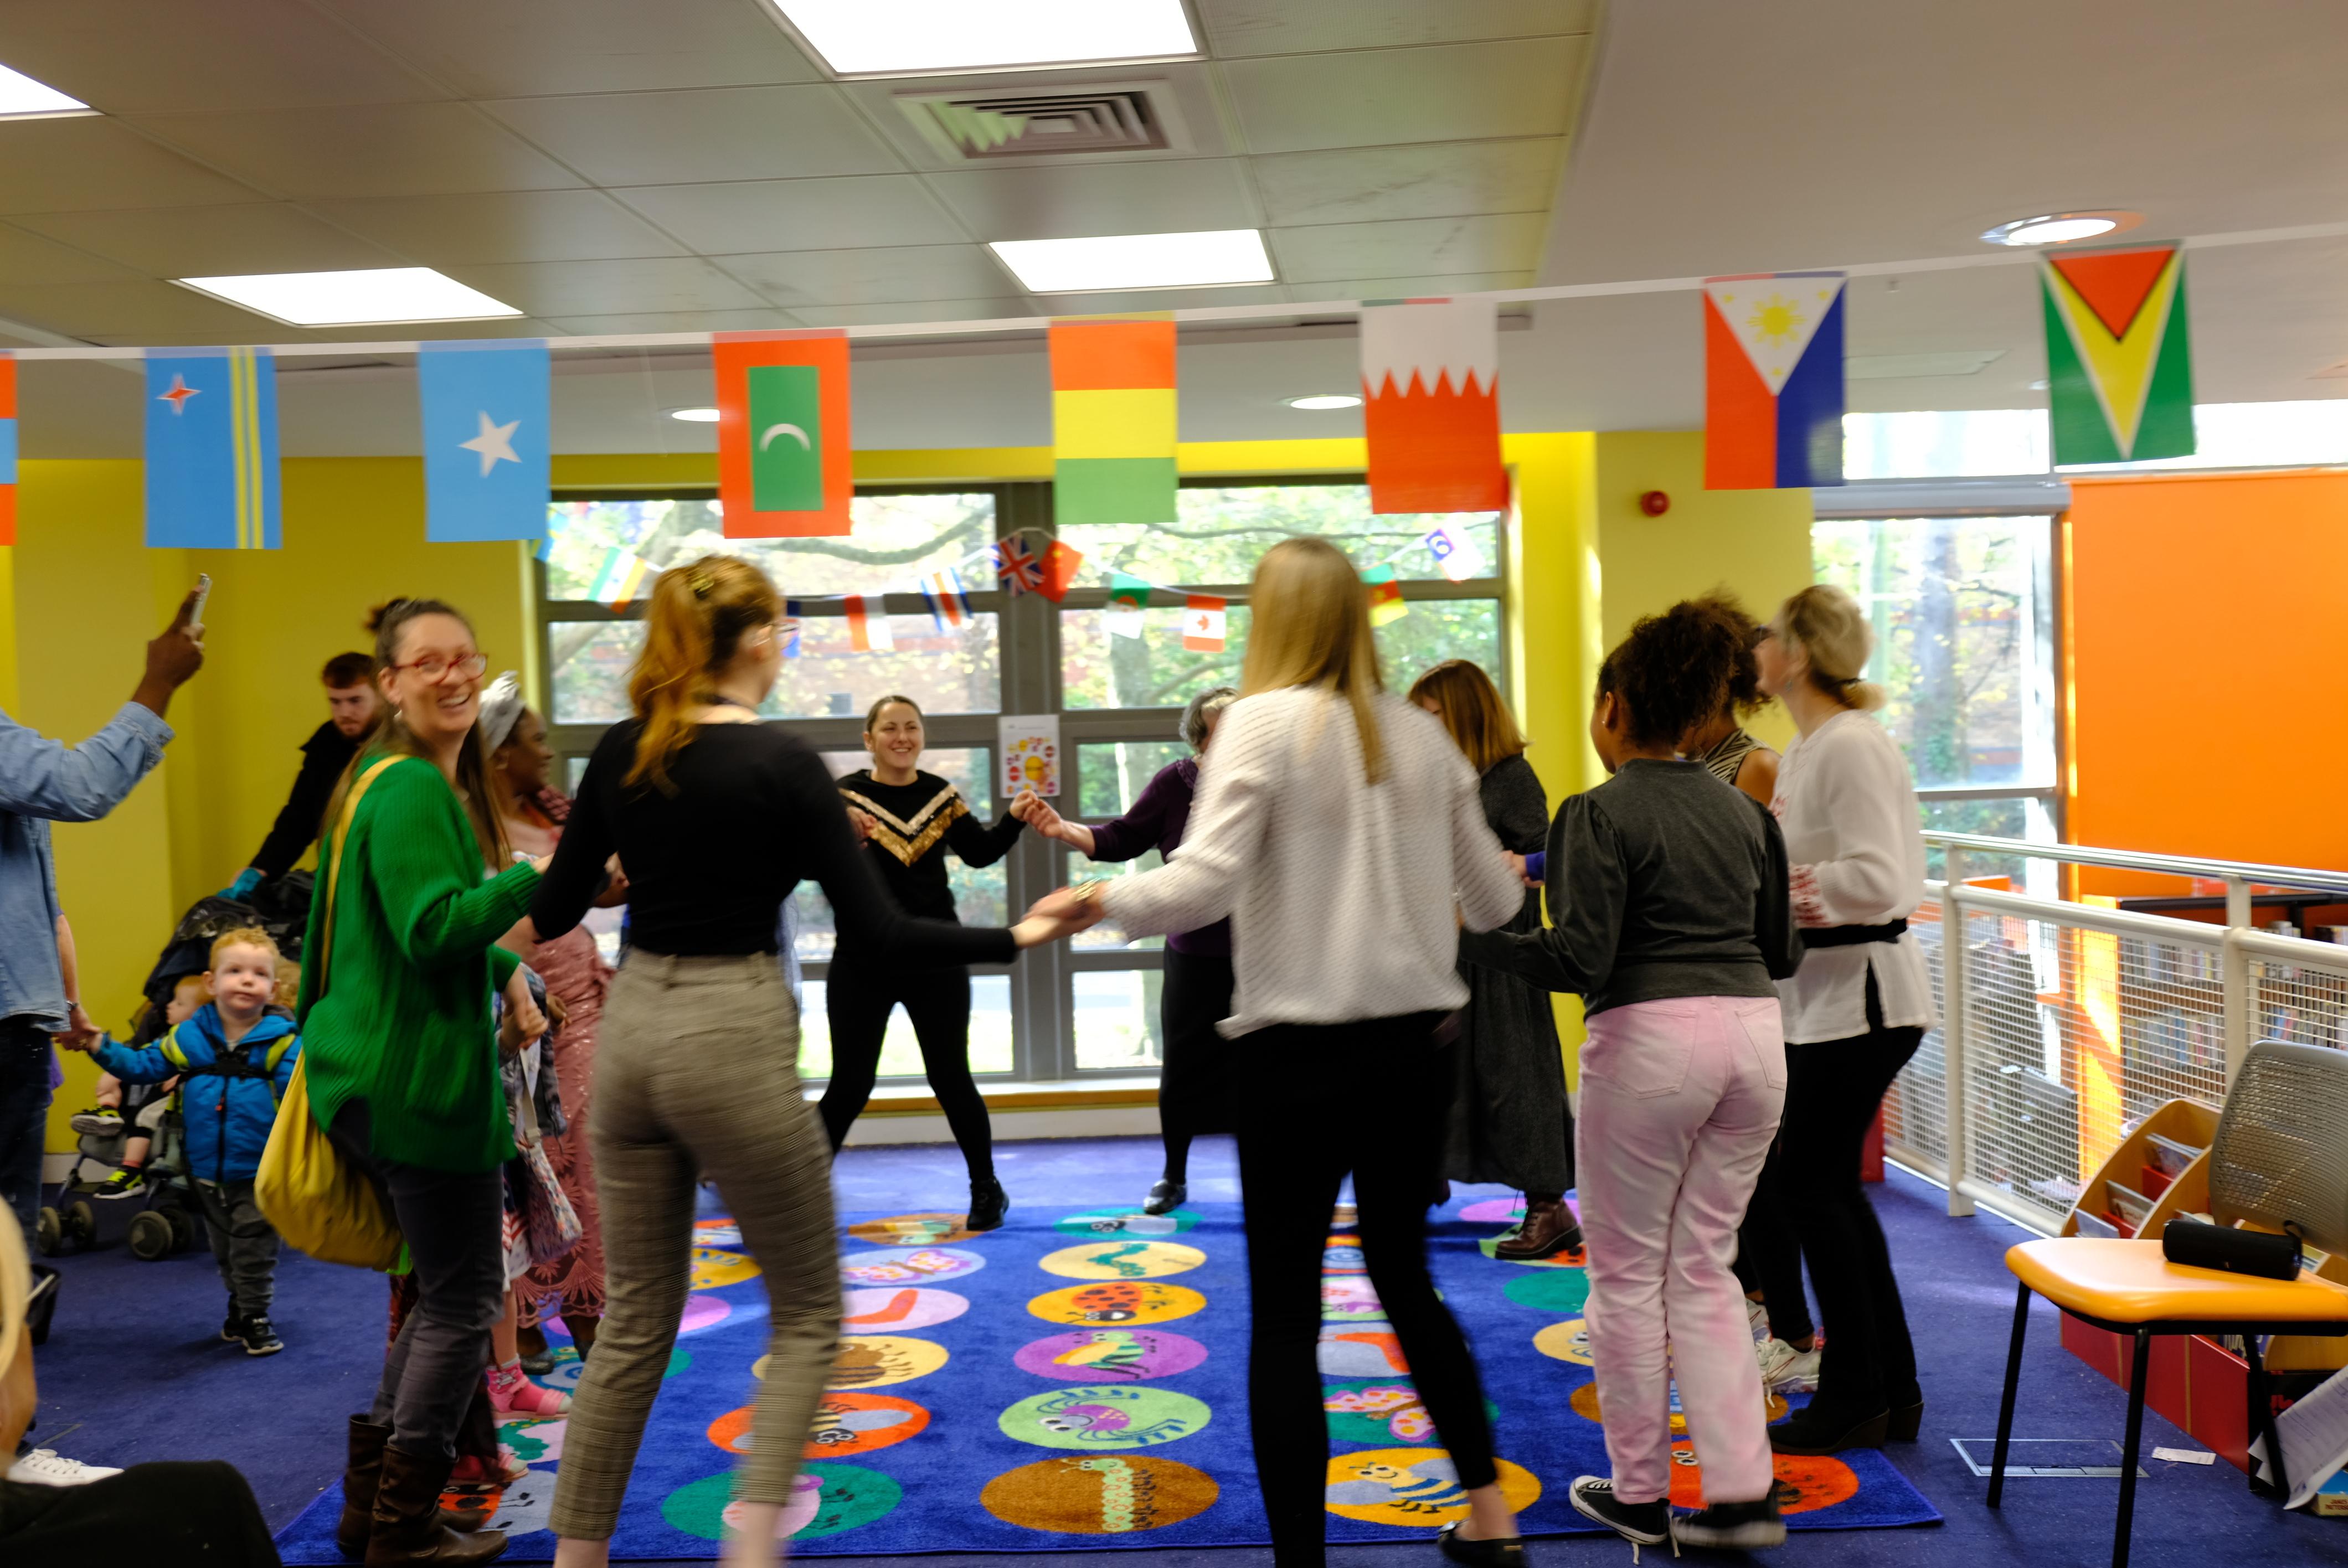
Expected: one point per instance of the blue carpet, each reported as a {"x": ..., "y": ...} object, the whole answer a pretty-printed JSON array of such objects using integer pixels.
[{"x": 1077, "y": 1379}]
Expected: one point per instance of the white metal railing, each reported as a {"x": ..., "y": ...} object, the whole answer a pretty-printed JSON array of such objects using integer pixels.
[{"x": 2062, "y": 1024}]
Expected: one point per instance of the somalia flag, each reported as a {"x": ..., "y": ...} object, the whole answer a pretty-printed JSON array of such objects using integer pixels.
[
  {"x": 1773, "y": 395},
  {"x": 211, "y": 450}
]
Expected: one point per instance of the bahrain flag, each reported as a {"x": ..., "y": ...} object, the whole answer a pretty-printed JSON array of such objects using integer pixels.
[
  {"x": 1431, "y": 406},
  {"x": 2119, "y": 368},
  {"x": 1773, "y": 395}
]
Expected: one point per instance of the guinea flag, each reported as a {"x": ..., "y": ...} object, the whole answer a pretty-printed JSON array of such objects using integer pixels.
[{"x": 784, "y": 465}]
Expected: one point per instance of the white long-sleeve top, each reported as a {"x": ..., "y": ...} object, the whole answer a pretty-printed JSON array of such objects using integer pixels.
[
  {"x": 1848, "y": 810},
  {"x": 1342, "y": 894}
]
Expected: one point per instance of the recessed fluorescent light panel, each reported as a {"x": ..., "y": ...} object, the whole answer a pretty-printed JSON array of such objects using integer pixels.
[
  {"x": 21, "y": 97},
  {"x": 909, "y": 38},
  {"x": 2061, "y": 228},
  {"x": 1325, "y": 400},
  {"x": 1204, "y": 260},
  {"x": 695, "y": 415},
  {"x": 378, "y": 296}
]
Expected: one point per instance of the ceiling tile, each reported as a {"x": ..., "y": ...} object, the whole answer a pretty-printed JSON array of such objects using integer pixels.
[
  {"x": 524, "y": 48},
  {"x": 85, "y": 163},
  {"x": 798, "y": 277},
  {"x": 603, "y": 288},
  {"x": 1068, "y": 200},
  {"x": 30, "y": 259},
  {"x": 140, "y": 310},
  {"x": 211, "y": 241},
  {"x": 1238, "y": 28},
  {"x": 1166, "y": 300},
  {"x": 385, "y": 150},
  {"x": 478, "y": 230},
  {"x": 918, "y": 311},
  {"x": 735, "y": 133},
  {"x": 1425, "y": 285},
  {"x": 164, "y": 56},
  {"x": 1453, "y": 93},
  {"x": 797, "y": 214},
  {"x": 435, "y": 332},
  {"x": 1497, "y": 242},
  {"x": 1433, "y": 179},
  {"x": 765, "y": 319}
]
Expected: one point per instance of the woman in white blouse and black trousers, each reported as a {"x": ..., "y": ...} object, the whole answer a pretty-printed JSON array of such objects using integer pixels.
[
  {"x": 1855, "y": 1010},
  {"x": 1339, "y": 829}
]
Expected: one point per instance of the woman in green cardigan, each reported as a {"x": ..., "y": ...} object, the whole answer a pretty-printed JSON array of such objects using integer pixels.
[{"x": 402, "y": 1057}]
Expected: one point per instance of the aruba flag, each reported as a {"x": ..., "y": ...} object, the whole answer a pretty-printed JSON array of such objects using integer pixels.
[
  {"x": 8, "y": 449},
  {"x": 212, "y": 450},
  {"x": 1773, "y": 390},
  {"x": 2119, "y": 366}
]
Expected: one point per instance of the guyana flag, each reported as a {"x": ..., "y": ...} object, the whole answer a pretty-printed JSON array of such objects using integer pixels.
[
  {"x": 2119, "y": 363},
  {"x": 784, "y": 468},
  {"x": 1113, "y": 422}
]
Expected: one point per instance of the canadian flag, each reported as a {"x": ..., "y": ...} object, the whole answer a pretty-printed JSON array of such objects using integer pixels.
[
  {"x": 1202, "y": 624},
  {"x": 1431, "y": 409}
]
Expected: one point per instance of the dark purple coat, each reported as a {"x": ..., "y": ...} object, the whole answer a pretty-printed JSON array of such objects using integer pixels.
[{"x": 1156, "y": 821}]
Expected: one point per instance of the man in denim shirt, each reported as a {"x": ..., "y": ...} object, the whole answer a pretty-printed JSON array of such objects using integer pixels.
[{"x": 43, "y": 781}]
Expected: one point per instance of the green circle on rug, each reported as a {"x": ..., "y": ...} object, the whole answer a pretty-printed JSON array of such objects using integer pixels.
[
  {"x": 1094, "y": 1417},
  {"x": 1550, "y": 1290},
  {"x": 849, "y": 1496},
  {"x": 1127, "y": 1221}
]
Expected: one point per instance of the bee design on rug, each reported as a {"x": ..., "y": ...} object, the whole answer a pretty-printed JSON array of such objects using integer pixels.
[
  {"x": 858, "y": 1366},
  {"x": 1429, "y": 1487}
]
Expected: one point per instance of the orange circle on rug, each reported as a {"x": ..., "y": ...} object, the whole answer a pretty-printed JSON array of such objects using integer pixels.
[
  {"x": 845, "y": 1425},
  {"x": 1414, "y": 1486},
  {"x": 1099, "y": 1494},
  {"x": 1117, "y": 1301},
  {"x": 1584, "y": 1400},
  {"x": 1566, "y": 1341},
  {"x": 1806, "y": 1484},
  {"x": 913, "y": 1230}
]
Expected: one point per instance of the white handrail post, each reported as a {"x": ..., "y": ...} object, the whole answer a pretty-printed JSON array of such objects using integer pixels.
[
  {"x": 2235, "y": 982},
  {"x": 1952, "y": 1031}
]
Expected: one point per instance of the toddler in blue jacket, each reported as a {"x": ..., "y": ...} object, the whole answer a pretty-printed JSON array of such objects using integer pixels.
[{"x": 233, "y": 1058}]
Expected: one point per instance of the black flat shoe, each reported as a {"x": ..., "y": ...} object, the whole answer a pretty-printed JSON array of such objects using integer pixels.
[
  {"x": 988, "y": 1204},
  {"x": 1731, "y": 1526},
  {"x": 1508, "y": 1553},
  {"x": 1165, "y": 1197},
  {"x": 1829, "y": 1434},
  {"x": 1904, "y": 1422}
]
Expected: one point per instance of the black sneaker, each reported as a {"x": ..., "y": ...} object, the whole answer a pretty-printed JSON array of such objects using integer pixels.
[
  {"x": 988, "y": 1204},
  {"x": 1734, "y": 1526},
  {"x": 98, "y": 1122},
  {"x": 1480, "y": 1554},
  {"x": 1640, "y": 1524},
  {"x": 232, "y": 1326},
  {"x": 126, "y": 1183},
  {"x": 260, "y": 1338}
]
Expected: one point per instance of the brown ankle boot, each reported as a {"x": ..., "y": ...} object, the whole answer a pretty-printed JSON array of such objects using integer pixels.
[
  {"x": 1548, "y": 1229},
  {"x": 360, "y": 1478},
  {"x": 407, "y": 1525}
]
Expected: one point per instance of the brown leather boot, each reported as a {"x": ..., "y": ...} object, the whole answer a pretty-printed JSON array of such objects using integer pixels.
[
  {"x": 408, "y": 1527},
  {"x": 1548, "y": 1229},
  {"x": 361, "y": 1475}
]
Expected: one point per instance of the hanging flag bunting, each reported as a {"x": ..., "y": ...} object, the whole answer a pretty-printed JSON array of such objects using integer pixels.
[
  {"x": 1202, "y": 623},
  {"x": 1016, "y": 566},
  {"x": 212, "y": 450},
  {"x": 8, "y": 449},
  {"x": 784, "y": 466},
  {"x": 1431, "y": 406},
  {"x": 792, "y": 616},
  {"x": 1059, "y": 570},
  {"x": 2119, "y": 362},
  {"x": 1773, "y": 382},
  {"x": 867, "y": 625},
  {"x": 1455, "y": 552},
  {"x": 949, "y": 605},
  {"x": 488, "y": 458},
  {"x": 621, "y": 578},
  {"x": 1385, "y": 596},
  {"x": 1128, "y": 597},
  {"x": 1113, "y": 422}
]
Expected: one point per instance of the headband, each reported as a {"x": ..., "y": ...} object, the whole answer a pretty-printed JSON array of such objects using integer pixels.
[{"x": 502, "y": 707}]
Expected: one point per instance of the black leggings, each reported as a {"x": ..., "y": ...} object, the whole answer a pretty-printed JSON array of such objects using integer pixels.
[
  {"x": 1369, "y": 1098},
  {"x": 858, "y": 1002}
]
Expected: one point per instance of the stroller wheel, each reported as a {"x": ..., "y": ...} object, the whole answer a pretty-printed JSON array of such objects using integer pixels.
[
  {"x": 183, "y": 1227},
  {"x": 81, "y": 1224},
  {"x": 151, "y": 1236},
  {"x": 48, "y": 1233}
]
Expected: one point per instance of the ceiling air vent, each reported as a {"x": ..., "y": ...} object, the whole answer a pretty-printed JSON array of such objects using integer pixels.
[{"x": 974, "y": 127}]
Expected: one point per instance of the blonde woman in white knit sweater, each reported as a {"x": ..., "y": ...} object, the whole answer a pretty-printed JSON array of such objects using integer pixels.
[{"x": 1338, "y": 827}]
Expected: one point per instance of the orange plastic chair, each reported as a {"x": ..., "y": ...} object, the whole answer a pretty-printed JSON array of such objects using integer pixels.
[{"x": 2280, "y": 1161}]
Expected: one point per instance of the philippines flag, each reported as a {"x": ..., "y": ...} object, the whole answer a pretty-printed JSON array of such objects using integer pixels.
[{"x": 1773, "y": 391}]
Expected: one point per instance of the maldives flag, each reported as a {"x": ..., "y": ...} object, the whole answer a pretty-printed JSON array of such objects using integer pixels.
[
  {"x": 784, "y": 466},
  {"x": 1202, "y": 623},
  {"x": 1773, "y": 394},
  {"x": 1431, "y": 406}
]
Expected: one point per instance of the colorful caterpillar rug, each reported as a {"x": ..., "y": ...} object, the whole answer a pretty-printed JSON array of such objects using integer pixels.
[{"x": 1078, "y": 1380}]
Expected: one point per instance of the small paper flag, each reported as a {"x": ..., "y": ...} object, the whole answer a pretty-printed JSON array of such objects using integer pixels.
[
  {"x": 212, "y": 450},
  {"x": 867, "y": 625},
  {"x": 792, "y": 621},
  {"x": 949, "y": 605},
  {"x": 1128, "y": 597},
  {"x": 1202, "y": 623},
  {"x": 8, "y": 449},
  {"x": 620, "y": 580},
  {"x": 1016, "y": 566},
  {"x": 1385, "y": 596},
  {"x": 2119, "y": 362},
  {"x": 1456, "y": 553},
  {"x": 1060, "y": 565},
  {"x": 486, "y": 410}
]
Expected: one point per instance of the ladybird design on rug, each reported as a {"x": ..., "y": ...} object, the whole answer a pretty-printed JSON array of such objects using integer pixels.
[{"x": 1125, "y": 1301}]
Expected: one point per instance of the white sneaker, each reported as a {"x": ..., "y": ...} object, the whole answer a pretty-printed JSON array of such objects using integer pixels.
[
  {"x": 47, "y": 1467},
  {"x": 1786, "y": 1370},
  {"x": 1756, "y": 1315}
]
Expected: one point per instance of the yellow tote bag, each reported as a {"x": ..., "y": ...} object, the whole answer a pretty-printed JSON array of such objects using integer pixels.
[{"x": 306, "y": 1189}]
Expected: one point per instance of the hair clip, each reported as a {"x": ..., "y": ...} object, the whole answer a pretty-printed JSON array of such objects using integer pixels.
[{"x": 701, "y": 582}]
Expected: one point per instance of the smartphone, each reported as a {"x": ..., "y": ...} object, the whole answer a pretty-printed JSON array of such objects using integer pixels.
[{"x": 203, "y": 597}]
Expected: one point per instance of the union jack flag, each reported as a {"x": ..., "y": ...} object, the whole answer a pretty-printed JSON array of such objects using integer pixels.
[{"x": 1016, "y": 567}]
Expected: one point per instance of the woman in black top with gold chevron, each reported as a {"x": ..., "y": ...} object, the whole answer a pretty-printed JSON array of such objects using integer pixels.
[{"x": 909, "y": 820}]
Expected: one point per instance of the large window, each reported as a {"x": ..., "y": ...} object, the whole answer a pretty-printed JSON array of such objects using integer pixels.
[{"x": 1089, "y": 1007}]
